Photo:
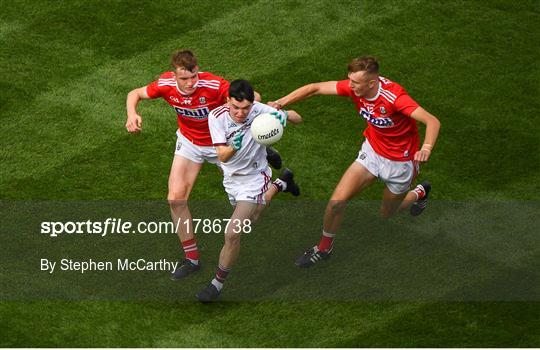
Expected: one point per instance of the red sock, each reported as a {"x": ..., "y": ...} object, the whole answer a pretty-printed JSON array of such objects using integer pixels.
[
  {"x": 222, "y": 273},
  {"x": 326, "y": 241},
  {"x": 420, "y": 192},
  {"x": 190, "y": 249}
]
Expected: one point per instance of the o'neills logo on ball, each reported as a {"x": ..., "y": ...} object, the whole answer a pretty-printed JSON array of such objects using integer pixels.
[{"x": 272, "y": 133}]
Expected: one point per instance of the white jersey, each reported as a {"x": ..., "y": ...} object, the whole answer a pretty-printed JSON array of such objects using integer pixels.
[{"x": 251, "y": 158}]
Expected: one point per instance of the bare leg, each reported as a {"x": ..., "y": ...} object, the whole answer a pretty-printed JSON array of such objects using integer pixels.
[
  {"x": 409, "y": 200},
  {"x": 355, "y": 179},
  {"x": 181, "y": 180},
  {"x": 231, "y": 248},
  {"x": 392, "y": 203}
]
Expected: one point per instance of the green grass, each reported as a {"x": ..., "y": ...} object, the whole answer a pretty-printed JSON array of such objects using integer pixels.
[{"x": 66, "y": 68}]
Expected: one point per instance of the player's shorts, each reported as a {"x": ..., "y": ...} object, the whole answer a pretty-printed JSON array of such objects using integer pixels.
[
  {"x": 398, "y": 176},
  {"x": 248, "y": 188},
  {"x": 197, "y": 154}
]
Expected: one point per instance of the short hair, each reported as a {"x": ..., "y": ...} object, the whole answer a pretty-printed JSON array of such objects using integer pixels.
[
  {"x": 184, "y": 59},
  {"x": 367, "y": 64},
  {"x": 241, "y": 90}
]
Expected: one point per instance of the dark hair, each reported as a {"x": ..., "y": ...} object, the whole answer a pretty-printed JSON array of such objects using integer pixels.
[
  {"x": 368, "y": 64},
  {"x": 241, "y": 90},
  {"x": 184, "y": 59}
]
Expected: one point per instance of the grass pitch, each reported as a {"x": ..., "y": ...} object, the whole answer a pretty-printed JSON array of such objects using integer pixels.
[{"x": 66, "y": 68}]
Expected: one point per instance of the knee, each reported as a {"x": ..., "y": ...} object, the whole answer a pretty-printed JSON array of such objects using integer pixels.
[
  {"x": 177, "y": 199},
  {"x": 232, "y": 239},
  {"x": 178, "y": 193}
]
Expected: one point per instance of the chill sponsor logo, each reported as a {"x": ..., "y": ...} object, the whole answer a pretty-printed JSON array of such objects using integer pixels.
[
  {"x": 197, "y": 113},
  {"x": 174, "y": 99},
  {"x": 378, "y": 122},
  {"x": 268, "y": 135}
]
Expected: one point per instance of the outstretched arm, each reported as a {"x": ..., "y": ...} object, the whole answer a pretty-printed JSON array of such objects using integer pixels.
[
  {"x": 306, "y": 91},
  {"x": 432, "y": 131},
  {"x": 134, "y": 121}
]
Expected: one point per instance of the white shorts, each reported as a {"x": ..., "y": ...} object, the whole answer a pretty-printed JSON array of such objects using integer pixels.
[
  {"x": 197, "y": 154},
  {"x": 248, "y": 188},
  {"x": 398, "y": 176}
]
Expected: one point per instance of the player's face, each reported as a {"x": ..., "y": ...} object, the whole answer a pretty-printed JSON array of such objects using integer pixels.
[
  {"x": 187, "y": 80},
  {"x": 362, "y": 83},
  {"x": 239, "y": 110}
]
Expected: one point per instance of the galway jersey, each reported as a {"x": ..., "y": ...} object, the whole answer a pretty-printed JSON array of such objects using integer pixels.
[
  {"x": 192, "y": 110},
  {"x": 390, "y": 130},
  {"x": 251, "y": 157}
]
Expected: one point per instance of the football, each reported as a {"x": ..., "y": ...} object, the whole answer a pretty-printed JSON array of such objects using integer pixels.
[{"x": 266, "y": 129}]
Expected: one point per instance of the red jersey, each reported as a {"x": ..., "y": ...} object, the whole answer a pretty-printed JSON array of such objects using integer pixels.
[
  {"x": 192, "y": 110},
  {"x": 390, "y": 130}
]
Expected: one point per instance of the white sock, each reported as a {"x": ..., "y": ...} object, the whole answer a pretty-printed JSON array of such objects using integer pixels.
[
  {"x": 280, "y": 184},
  {"x": 217, "y": 284},
  {"x": 328, "y": 234}
]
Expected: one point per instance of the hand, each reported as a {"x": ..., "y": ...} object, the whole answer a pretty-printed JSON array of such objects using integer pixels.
[
  {"x": 281, "y": 116},
  {"x": 275, "y": 104},
  {"x": 134, "y": 123},
  {"x": 422, "y": 156},
  {"x": 237, "y": 141}
]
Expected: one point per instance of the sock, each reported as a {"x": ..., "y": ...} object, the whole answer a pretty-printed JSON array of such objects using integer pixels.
[
  {"x": 191, "y": 251},
  {"x": 419, "y": 191},
  {"x": 221, "y": 276},
  {"x": 280, "y": 185},
  {"x": 217, "y": 284},
  {"x": 326, "y": 241}
]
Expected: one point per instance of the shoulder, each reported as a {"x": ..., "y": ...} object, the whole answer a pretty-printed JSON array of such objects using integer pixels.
[
  {"x": 390, "y": 90},
  {"x": 391, "y": 86},
  {"x": 343, "y": 88},
  {"x": 211, "y": 81},
  {"x": 167, "y": 79},
  {"x": 219, "y": 112}
]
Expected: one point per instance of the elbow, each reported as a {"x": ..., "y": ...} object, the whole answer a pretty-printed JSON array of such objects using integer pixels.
[
  {"x": 258, "y": 97},
  {"x": 432, "y": 122},
  {"x": 436, "y": 123},
  {"x": 293, "y": 117},
  {"x": 313, "y": 89}
]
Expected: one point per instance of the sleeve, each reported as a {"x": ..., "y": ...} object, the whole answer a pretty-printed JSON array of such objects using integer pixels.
[
  {"x": 217, "y": 130},
  {"x": 405, "y": 105},
  {"x": 224, "y": 90},
  {"x": 152, "y": 90},
  {"x": 343, "y": 88},
  {"x": 264, "y": 108}
]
